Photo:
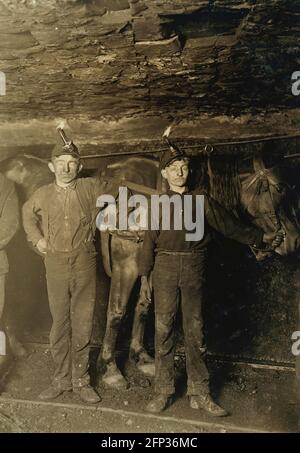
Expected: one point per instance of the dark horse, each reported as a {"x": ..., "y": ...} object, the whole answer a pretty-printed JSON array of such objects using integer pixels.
[
  {"x": 245, "y": 186},
  {"x": 257, "y": 193}
]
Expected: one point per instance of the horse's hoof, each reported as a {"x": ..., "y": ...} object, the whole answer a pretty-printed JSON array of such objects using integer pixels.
[
  {"x": 140, "y": 356},
  {"x": 147, "y": 368},
  {"x": 144, "y": 357},
  {"x": 115, "y": 380},
  {"x": 143, "y": 361},
  {"x": 140, "y": 381}
]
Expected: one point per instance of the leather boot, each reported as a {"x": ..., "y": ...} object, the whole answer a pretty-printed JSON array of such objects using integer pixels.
[
  {"x": 88, "y": 394},
  {"x": 52, "y": 392},
  {"x": 206, "y": 403},
  {"x": 159, "y": 403}
]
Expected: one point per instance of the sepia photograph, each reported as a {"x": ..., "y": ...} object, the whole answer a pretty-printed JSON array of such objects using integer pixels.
[{"x": 149, "y": 219}]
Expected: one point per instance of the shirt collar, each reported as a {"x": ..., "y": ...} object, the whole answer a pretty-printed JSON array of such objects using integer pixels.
[
  {"x": 71, "y": 186},
  {"x": 171, "y": 192}
]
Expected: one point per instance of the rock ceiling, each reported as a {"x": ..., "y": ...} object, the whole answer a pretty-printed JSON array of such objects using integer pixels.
[{"x": 119, "y": 71}]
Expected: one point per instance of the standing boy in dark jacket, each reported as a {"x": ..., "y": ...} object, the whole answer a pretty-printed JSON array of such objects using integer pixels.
[{"x": 179, "y": 267}]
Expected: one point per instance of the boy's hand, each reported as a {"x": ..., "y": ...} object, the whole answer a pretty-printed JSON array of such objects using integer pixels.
[
  {"x": 273, "y": 238},
  {"x": 42, "y": 246}
]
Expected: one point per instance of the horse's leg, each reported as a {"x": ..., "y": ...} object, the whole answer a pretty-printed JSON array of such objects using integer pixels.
[
  {"x": 137, "y": 351},
  {"x": 7, "y": 321},
  {"x": 16, "y": 347},
  {"x": 124, "y": 275}
]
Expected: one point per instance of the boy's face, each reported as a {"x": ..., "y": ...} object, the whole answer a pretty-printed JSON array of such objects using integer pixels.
[
  {"x": 177, "y": 173},
  {"x": 65, "y": 168}
]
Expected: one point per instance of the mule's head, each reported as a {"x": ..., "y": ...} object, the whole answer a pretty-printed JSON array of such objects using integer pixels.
[
  {"x": 27, "y": 172},
  {"x": 265, "y": 198},
  {"x": 259, "y": 194},
  {"x": 139, "y": 170}
]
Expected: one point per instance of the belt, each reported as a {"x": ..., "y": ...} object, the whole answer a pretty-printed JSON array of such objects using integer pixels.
[
  {"x": 134, "y": 236},
  {"x": 188, "y": 253}
]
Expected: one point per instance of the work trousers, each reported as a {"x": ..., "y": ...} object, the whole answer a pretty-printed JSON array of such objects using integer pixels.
[
  {"x": 71, "y": 283},
  {"x": 174, "y": 276}
]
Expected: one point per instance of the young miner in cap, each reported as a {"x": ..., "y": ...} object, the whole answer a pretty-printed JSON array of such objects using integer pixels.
[
  {"x": 59, "y": 220},
  {"x": 179, "y": 269}
]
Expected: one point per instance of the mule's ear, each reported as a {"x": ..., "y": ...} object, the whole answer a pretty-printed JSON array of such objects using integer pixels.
[{"x": 51, "y": 167}]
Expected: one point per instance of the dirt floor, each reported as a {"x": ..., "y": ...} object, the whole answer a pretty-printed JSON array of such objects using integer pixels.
[{"x": 259, "y": 400}]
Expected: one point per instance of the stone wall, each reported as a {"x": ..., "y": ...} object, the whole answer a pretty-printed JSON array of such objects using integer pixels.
[{"x": 121, "y": 70}]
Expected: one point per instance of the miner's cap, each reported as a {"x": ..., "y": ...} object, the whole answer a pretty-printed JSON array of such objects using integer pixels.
[
  {"x": 68, "y": 150},
  {"x": 169, "y": 156}
]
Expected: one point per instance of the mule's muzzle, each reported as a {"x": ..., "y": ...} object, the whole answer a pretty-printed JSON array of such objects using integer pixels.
[
  {"x": 269, "y": 249},
  {"x": 279, "y": 238}
]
